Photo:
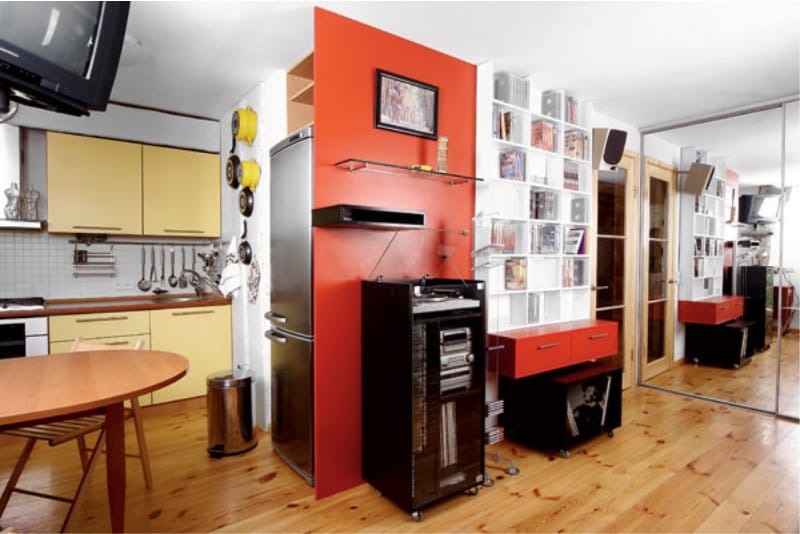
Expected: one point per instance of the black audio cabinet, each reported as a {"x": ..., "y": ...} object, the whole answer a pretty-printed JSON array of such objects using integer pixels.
[
  {"x": 423, "y": 382},
  {"x": 752, "y": 284},
  {"x": 562, "y": 408}
]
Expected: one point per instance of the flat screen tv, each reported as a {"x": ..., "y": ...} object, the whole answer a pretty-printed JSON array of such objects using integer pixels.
[
  {"x": 61, "y": 56},
  {"x": 759, "y": 208}
]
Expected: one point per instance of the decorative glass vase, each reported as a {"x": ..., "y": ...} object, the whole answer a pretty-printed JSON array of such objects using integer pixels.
[
  {"x": 12, "y": 204},
  {"x": 29, "y": 204}
]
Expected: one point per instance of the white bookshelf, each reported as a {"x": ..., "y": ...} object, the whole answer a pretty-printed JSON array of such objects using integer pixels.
[
  {"x": 531, "y": 214},
  {"x": 702, "y": 233}
]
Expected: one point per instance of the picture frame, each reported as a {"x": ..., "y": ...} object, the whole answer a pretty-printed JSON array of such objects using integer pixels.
[{"x": 406, "y": 106}]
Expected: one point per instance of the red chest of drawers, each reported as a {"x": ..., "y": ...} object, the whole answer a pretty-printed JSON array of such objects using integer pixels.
[
  {"x": 533, "y": 350},
  {"x": 714, "y": 310}
]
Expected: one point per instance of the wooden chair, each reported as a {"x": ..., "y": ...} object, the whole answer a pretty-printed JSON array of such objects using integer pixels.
[{"x": 62, "y": 431}]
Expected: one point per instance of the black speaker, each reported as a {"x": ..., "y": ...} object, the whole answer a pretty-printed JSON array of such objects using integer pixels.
[
  {"x": 608, "y": 146},
  {"x": 698, "y": 178}
]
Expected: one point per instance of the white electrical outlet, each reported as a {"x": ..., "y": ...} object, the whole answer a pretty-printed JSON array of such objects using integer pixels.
[{"x": 120, "y": 286}]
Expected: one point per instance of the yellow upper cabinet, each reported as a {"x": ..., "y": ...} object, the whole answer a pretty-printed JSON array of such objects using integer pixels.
[
  {"x": 181, "y": 191},
  {"x": 93, "y": 185}
]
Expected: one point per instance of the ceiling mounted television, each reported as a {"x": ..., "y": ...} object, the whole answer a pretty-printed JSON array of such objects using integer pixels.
[
  {"x": 61, "y": 56},
  {"x": 759, "y": 208}
]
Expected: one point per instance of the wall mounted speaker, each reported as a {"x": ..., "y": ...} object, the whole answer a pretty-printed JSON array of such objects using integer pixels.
[
  {"x": 698, "y": 178},
  {"x": 608, "y": 146}
]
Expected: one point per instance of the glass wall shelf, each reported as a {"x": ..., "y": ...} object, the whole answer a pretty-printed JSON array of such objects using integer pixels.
[{"x": 413, "y": 171}]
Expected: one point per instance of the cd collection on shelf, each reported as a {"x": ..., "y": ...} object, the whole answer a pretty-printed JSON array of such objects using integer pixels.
[
  {"x": 571, "y": 176},
  {"x": 573, "y": 272},
  {"x": 512, "y": 165},
  {"x": 504, "y": 236},
  {"x": 576, "y": 144},
  {"x": 516, "y": 273},
  {"x": 545, "y": 239},
  {"x": 544, "y": 205},
  {"x": 543, "y": 135}
]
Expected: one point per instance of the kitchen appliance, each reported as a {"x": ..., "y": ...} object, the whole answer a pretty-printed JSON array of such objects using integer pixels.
[
  {"x": 22, "y": 336},
  {"x": 291, "y": 306},
  {"x": 423, "y": 378}
]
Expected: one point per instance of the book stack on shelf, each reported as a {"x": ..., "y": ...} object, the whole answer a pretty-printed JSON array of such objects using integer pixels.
[
  {"x": 575, "y": 241},
  {"x": 544, "y": 205},
  {"x": 504, "y": 236},
  {"x": 512, "y": 165},
  {"x": 543, "y": 135},
  {"x": 545, "y": 239},
  {"x": 573, "y": 272},
  {"x": 576, "y": 144},
  {"x": 572, "y": 179},
  {"x": 516, "y": 273},
  {"x": 503, "y": 125}
]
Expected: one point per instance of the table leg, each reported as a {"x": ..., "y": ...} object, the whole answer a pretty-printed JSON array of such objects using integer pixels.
[{"x": 115, "y": 465}]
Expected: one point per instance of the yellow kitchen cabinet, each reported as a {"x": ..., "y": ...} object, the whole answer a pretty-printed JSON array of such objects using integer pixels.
[
  {"x": 181, "y": 192},
  {"x": 201, "y": 334},
  {"x": 93, "y": 185},
  {"x": 115, "y": 329}
]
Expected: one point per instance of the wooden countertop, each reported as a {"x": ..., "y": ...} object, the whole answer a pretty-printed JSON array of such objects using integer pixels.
[{"x": 112, "y": 304}]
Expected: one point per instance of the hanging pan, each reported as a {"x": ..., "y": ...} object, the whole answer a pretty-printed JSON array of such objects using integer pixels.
[
  {"x": 246, "y": 202},
  {"x": 250, "y": 174},
  {"x": 244, "y": 125},
  {"x": 233, "y": 170}
]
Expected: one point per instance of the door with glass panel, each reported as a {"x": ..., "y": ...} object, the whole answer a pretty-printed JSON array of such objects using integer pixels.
[
  {"x": 615, "y": 273},
  {"x": 658, "y": 268}
]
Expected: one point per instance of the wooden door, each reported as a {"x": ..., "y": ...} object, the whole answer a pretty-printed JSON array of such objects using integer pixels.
[
  {"x": 614, "y": 283},
  {"x": 93, "y": 185},
  {"x": 181, "y": 192},
  {"x": 658, "y": 269}
]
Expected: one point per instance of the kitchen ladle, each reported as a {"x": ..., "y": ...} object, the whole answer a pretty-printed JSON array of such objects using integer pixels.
[
  {"x": 182, "y": 280},
  {"x": 173, "y": 280},
  {"x": 144, "y": 284}
]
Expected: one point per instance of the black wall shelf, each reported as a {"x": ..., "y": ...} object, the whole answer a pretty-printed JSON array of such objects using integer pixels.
[
  {"x": 414, "y": 171},
  {"x": 367, "y": 217}
]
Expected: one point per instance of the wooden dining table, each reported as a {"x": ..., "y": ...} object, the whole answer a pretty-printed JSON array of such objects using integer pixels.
[{"x": 38, "y": 389}]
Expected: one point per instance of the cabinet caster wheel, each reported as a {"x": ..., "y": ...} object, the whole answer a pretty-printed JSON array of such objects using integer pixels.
[
  {"x": 735, "y": 365},
  {"x": 416, "y": 515},
  {"x": 610, "y": 433},
  {"x": 695, "y": 361},
  {"x": 473, "y": 490},
  {"x": 564, "y": 453}
]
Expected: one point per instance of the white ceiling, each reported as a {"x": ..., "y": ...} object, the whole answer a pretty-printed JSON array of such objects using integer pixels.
[{"x": 642, "y": 63}]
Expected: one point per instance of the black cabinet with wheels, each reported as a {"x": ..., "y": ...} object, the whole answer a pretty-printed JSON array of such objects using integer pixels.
[
  {"x": 722, "y": 345},
  {"x": 558, "y": 410},
  {"x": 423, "y": 380}
]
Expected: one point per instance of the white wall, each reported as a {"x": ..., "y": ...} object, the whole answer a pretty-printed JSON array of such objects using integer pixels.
[{"x": 250, "y": 347}]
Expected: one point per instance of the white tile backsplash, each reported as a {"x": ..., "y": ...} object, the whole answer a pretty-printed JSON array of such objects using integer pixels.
[{"x": 38, "y": 264}]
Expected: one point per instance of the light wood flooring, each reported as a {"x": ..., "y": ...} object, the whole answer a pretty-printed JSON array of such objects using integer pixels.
[
  {"x": 753, "y": 384},
  {"x": 676, "y": 465}
]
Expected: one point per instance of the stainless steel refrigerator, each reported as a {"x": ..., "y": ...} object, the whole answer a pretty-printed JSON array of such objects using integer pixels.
[{"x": 291, "y": 303}]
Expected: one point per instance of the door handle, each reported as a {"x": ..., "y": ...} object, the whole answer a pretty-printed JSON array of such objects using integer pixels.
[
  {"x": 275, "y": 317},
  {"x": 277, "y": 338}
]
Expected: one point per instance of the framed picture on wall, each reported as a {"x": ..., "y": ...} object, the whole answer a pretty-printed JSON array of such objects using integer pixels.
[{"x": 406, "y": 106}]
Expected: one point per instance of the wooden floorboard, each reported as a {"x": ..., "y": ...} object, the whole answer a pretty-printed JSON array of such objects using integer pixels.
[{"x": 675, "y": 465}]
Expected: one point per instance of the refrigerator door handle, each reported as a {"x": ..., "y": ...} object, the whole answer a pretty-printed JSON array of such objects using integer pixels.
[
  {"x": 275, "y": 317},
  {"x": 274, "y": 336}
]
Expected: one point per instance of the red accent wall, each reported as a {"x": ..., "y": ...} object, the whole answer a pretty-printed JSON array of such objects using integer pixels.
[{"x": 346, "y": 55}]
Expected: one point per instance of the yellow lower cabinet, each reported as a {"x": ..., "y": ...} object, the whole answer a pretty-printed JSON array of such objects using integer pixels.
[{"x": 201, "y": 334}]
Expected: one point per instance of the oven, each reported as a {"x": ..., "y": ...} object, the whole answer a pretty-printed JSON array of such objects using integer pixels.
[{"x": 23, "y": 336}]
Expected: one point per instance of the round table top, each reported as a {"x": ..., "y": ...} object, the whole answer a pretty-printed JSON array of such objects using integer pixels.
[{"x": 40, "y": 387}]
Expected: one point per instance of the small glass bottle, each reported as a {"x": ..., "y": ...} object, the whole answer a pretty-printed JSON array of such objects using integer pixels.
[
  {"x": 29, "y": 205},
  {"x": 12, "y": 203}
]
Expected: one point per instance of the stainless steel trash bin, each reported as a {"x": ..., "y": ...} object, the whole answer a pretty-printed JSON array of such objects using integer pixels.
[{"x": 230, "y": 414}]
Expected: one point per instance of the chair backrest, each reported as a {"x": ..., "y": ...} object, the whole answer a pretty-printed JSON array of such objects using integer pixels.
[{"x": 81, "y": 345}]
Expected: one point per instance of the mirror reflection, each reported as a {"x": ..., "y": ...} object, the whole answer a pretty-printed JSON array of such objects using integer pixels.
[{"x": 737, "y": 262}]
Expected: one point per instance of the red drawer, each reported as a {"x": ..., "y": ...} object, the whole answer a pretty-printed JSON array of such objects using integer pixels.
[
  {"x": 596, "y": 342},
  {"x": 715, "y": 310},
  {"x": 524, "y": 356}
]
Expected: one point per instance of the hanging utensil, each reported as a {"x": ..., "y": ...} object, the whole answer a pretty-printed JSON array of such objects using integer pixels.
[
  {"x": 182, "y": 280},
  {"x": 143, "y": 284},
  {"x": 162, "y": 280},
  {"x": 173, "y": 280},
  {"x": 153, "y": 275}
]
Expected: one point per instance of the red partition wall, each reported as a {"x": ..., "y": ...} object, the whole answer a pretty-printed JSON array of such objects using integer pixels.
[{"x": 346, "y": 55}]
